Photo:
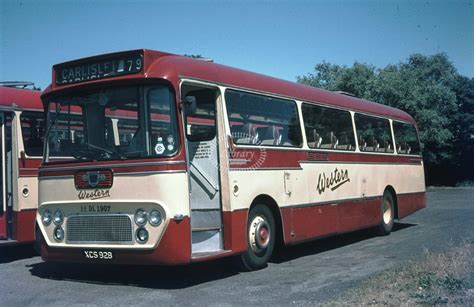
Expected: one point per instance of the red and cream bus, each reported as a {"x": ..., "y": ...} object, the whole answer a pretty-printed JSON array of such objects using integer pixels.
[
  {"x": 21, "y": 149},
  {"x": 172, "y": 160}
]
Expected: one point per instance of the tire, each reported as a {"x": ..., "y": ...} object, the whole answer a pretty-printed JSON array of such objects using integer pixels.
[
  {"x": 387, "y": 213},
  {"x": 260, "y": 235},
  {"x": 37, "y": 243}
]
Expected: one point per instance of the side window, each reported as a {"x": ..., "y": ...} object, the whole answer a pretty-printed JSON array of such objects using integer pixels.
[
  {"x": 163, "y": 131},
  {"x": 328, "y": 128},
  {"x": 373, "y": 134},
  {"x": 406, "y": 139},
  {"x": 32, "y": 129},
  {"x": 201, "y": 121},
  {"x": 261, "y": 120}
]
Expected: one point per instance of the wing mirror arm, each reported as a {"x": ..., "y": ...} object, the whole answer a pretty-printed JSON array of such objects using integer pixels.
[{"x": 231, "y": 144}]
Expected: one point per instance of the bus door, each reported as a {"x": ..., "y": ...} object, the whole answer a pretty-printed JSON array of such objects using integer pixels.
[
  {"x": 6, "y": 204},
  {"x": 203, "y": 165}
]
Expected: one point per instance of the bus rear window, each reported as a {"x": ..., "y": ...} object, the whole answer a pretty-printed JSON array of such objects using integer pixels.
[
  {"x": 262, "y": 120},
  {"x": 373, "y": 134},
  {"x": 406, "y": 139},
  {"x": 328, "y": 128}
]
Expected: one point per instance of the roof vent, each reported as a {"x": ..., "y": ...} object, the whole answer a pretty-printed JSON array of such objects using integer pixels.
[
  {"x": 345, "y": 93},
  {"x": 198, "y": 57},
  {"x": 21, "y": 84}
]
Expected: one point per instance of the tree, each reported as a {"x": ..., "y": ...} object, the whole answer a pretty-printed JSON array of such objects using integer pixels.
[
  {"x": 354, "y": 80},
  {"x": 427, "y": 87}
]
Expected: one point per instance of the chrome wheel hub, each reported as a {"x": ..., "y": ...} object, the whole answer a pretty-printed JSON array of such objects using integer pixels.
[
  {"x": 259, "y": 234},
  {"x": 387, "y": 212}
]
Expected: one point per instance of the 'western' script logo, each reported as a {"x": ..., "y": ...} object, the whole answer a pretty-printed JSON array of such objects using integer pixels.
[
  {"x": 333, "y": 181},
  {"x": 96, "y": 194}
]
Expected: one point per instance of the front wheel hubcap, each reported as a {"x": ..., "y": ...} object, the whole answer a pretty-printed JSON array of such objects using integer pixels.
[
  {"x": 259, "y": 234},
  {"x": 387, "y": 212}
]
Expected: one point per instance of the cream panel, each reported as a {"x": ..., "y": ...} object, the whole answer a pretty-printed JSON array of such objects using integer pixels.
[
  {"x": 361, "y": 180},
  {"x": 349, "y": 181},
  {"x": 168, "y": 189},
  {"x": 129, "y": 193},
  {"x": 115, "y": 208},
  {"x": 30, "y": 199},
  {"x": 286, "y": 187}
]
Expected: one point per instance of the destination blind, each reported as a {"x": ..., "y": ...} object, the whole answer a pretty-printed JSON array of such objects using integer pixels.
[{"x": 99, "y": 69}]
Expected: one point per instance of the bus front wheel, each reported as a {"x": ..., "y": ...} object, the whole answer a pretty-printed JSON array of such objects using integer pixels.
[
  {"x": 260, "y": 238},
  {"x": 387, "y": 214}
]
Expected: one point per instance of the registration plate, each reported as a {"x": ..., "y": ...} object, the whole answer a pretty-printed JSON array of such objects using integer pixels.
[
  {"x": 95, "y": 208},
  {"x": 99, "y": 255}
]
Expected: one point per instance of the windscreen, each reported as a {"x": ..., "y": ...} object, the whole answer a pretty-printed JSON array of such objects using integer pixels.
[{"x": 112, "y": 123}]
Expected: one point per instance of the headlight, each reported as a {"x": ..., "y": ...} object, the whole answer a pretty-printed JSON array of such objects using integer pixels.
[
  {"x": 155, "y": 218},
  {"x": 58, "y": 217},
  {"x": 142, "y": 235},
  {"x": 58, "y": 233},
  {"x": 140, "y": 217},
  {"x": 47, "y": 217}
]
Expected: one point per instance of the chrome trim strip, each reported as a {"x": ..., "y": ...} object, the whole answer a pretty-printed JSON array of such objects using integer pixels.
[
  {"x": 341, "y": 201},
  {"x": 333, "y": 202},
  {"x": 239, "y": 161},
  {"x": 148, "y": 173},
  {"x": 356, "y": 162},
  {"x": 119, "y": 174},
  {"x": 56, "y": 177},
  {"x": 56, "y": 169},
  {"x": 252, "y": 168}
]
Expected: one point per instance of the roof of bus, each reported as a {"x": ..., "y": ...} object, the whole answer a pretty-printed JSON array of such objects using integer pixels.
[
  {"x": 188, "y": 67},
  {"x": 169, "y": 66},
  {"x": 16, "y": 98}
]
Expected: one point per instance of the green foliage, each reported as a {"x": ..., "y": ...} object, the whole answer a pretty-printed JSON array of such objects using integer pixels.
[{"x": 427, "y": 87}]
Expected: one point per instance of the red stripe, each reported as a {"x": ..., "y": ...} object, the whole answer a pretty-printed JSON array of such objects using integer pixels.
[
  {"x": 299, "y": 224},
  {"x": 310, "y": 222},
  {"x": 174, "y": 248},
  {"x": 410, "y": 203},
  {"x": 235, "y": 225},
  {"x": 28, "y": 167},
  {"x": 24, "y": 225},
  {"x": 127, "y": 166},
  {"x": 269, "y": 157}
]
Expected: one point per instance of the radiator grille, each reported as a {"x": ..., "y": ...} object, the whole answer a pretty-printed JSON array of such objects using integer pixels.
[{"x": 106, "y": 229}]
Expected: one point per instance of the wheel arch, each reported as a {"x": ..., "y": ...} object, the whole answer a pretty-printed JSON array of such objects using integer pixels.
[
  {"x": 268, "y": 201},
  {"x": 390, "y": 189}
]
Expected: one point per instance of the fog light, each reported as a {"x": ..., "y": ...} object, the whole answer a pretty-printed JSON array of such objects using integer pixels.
[
  {"x": 58, "y": 233},
  {"x": 142, "y": 235},
  {"x": 47, "y": 217},
  {"x": 58, "y": 217},
  {"x": 155, "y": 218},
  {"x": 140, "y": 217}
]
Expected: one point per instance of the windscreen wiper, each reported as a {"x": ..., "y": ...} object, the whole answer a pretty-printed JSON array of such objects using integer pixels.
[{"x": 112, "y": 153}]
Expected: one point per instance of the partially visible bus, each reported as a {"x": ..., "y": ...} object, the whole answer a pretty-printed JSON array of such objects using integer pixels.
[
  {"x": 21, "y": 150},
  {"x": 180, "y": 160}
]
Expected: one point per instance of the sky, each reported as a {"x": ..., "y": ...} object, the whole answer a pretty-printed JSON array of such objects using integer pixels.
[{"x": 283, "y": 39}]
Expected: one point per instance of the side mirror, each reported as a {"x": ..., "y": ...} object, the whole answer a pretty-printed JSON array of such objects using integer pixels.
[{"x": 190, "y": 105}]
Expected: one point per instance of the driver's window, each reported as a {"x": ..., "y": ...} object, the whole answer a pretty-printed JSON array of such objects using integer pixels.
[{"x": 201, "y": 121}]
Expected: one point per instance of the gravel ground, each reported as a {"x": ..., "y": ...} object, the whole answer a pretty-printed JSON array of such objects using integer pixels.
[{"x": 315, "y": 272}]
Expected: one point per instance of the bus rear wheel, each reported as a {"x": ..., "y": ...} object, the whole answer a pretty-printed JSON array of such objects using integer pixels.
[
  {"x": 260, "y": 239},
  {"x": 387, "y": 214}
]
